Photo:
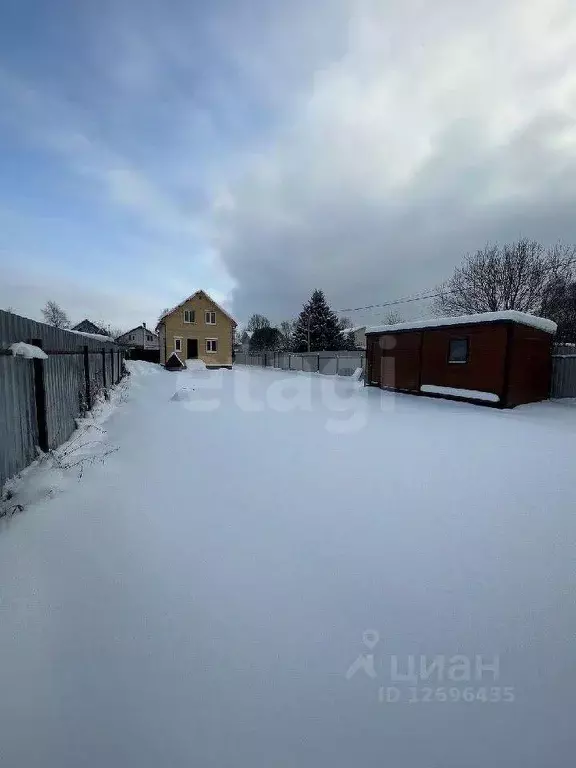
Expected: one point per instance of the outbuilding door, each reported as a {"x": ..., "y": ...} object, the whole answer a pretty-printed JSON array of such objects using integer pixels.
[{"x": 400, "y": 365}]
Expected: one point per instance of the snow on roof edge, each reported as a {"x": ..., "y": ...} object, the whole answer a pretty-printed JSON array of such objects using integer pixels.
[
  {"x": 91, "y": 335},
  {"x": 523, "y": 318}
]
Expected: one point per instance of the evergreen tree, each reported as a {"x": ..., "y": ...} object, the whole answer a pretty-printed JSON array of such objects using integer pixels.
[
  {"x": 266, "y": 340},
  {"x": 321, "y": 324},
  {"x": 348, "y": 340}
]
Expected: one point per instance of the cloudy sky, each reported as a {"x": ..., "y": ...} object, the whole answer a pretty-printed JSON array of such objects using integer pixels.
[{"x": 258, "y": 149}]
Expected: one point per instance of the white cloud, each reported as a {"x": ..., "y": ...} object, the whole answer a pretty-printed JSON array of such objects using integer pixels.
[
  {"x": 353, "y": 145},
  {"x": 441, "y": 126}
]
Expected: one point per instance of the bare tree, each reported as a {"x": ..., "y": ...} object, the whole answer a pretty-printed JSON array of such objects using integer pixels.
[
  {"x": 392, "y": 318},
  {"x": 55, "y": 315},
  {"x": 287, "y": 333},
  {"x": 512, "y": 276},
  {"x": 559, "y": 304},
  {"x": 113, "y": 330},
  {"x": 257, "y": 322}
]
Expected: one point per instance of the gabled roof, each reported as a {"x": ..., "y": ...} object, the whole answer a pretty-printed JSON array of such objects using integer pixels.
[
  {"x": 505, "y": 315},
  {"x": 174, "y": 362},
  {"x": 87, "y": 326},
  {"x": 189, "y": 298},
  {"x": 138, "y": 327}
]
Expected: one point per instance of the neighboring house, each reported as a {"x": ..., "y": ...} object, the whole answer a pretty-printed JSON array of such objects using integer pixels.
[
  {"x": 197, "y": 328},
  {"x": 359, "y": 336},
  {"x": 139, "y": 338},
  {"x": 87, "y": 326},
  {"x": 244, "y": 344}
]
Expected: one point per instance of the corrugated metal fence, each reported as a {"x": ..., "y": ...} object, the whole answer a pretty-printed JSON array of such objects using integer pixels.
[
  {"x": 330, "y": 363},
  {"x": 563, "y": 371},
  {"x": 345, "y": 363},
  {"x": 41, "y": 399}
]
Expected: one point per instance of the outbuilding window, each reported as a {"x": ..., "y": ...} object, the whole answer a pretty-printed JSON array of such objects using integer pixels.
[{"x": 458, "y": 352}]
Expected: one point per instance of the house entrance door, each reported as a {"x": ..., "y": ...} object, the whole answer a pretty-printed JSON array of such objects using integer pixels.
[{"x": 192, "y": 349}]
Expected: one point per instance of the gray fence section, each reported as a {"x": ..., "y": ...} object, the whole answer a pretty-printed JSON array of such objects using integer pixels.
[
  {"x": 18, "y": 429},
  {"x": 564, "y": 349},
  {"x": 329, "y": 363},
  {"x": 563, "y": 375},
  {"x": 345, "y": 363},
  {"x": 47, "y": 396}
]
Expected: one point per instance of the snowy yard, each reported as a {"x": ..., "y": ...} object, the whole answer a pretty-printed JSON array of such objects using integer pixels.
[{"x": 204, "y": 595}]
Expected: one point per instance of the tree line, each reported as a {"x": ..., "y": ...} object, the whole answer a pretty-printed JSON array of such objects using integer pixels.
[
  {"x": 316, "y": 328},
  {"x": 54, "y": 315},
  {"x": 523, "y": 275}
]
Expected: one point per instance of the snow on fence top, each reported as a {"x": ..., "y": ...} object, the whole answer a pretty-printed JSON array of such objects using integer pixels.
[
  {"x": 484, "y": 317},
  {"x": 21, "y": 349}
]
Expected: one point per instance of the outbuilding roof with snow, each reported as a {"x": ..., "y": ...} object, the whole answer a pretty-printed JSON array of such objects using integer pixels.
[{"x": 508, "y": 315}]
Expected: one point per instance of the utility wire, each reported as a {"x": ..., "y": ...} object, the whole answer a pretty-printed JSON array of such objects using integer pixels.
[{"x": 404, "y": 300}]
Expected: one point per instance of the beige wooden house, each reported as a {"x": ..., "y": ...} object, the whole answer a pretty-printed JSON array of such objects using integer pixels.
[{"x": 197, "y": 329}]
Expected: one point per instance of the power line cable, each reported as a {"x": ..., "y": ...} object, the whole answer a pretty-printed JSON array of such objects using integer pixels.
[{"x": 404, "y": 300}]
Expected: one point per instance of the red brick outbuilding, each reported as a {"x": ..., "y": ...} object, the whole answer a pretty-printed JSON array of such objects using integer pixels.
[{"x": 496, "y": 358}]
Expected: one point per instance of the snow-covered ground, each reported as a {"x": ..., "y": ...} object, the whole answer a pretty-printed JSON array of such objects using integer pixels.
[{"x": 250, "y": 578}]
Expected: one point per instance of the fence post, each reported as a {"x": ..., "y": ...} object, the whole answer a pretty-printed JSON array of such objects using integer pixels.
[
  {"x": 87, "y": 378},
  {"x": 40, "y": 398},
  {"x": 112, "y": 367},
  {"x": 104, "y": 367},
  {"x": 337, "y": 364},
  {"x": 318, "y": 370}
]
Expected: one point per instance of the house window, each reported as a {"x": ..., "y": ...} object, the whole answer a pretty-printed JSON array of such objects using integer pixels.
[
  {"x": 189, "y": 316},
  {"x": 211, "y": 345},
  {"x": 210, "y": 318},
  {"x": 177, "y": 344},
  {"x": 131, "y": 337},
  {"x": 458, "y": 351},
  {"x": 150, "y": 338}
]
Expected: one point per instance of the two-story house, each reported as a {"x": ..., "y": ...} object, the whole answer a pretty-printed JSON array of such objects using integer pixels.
[
  {"x": 197, "y": 328},
  {"x": 139, "y": 338}
]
